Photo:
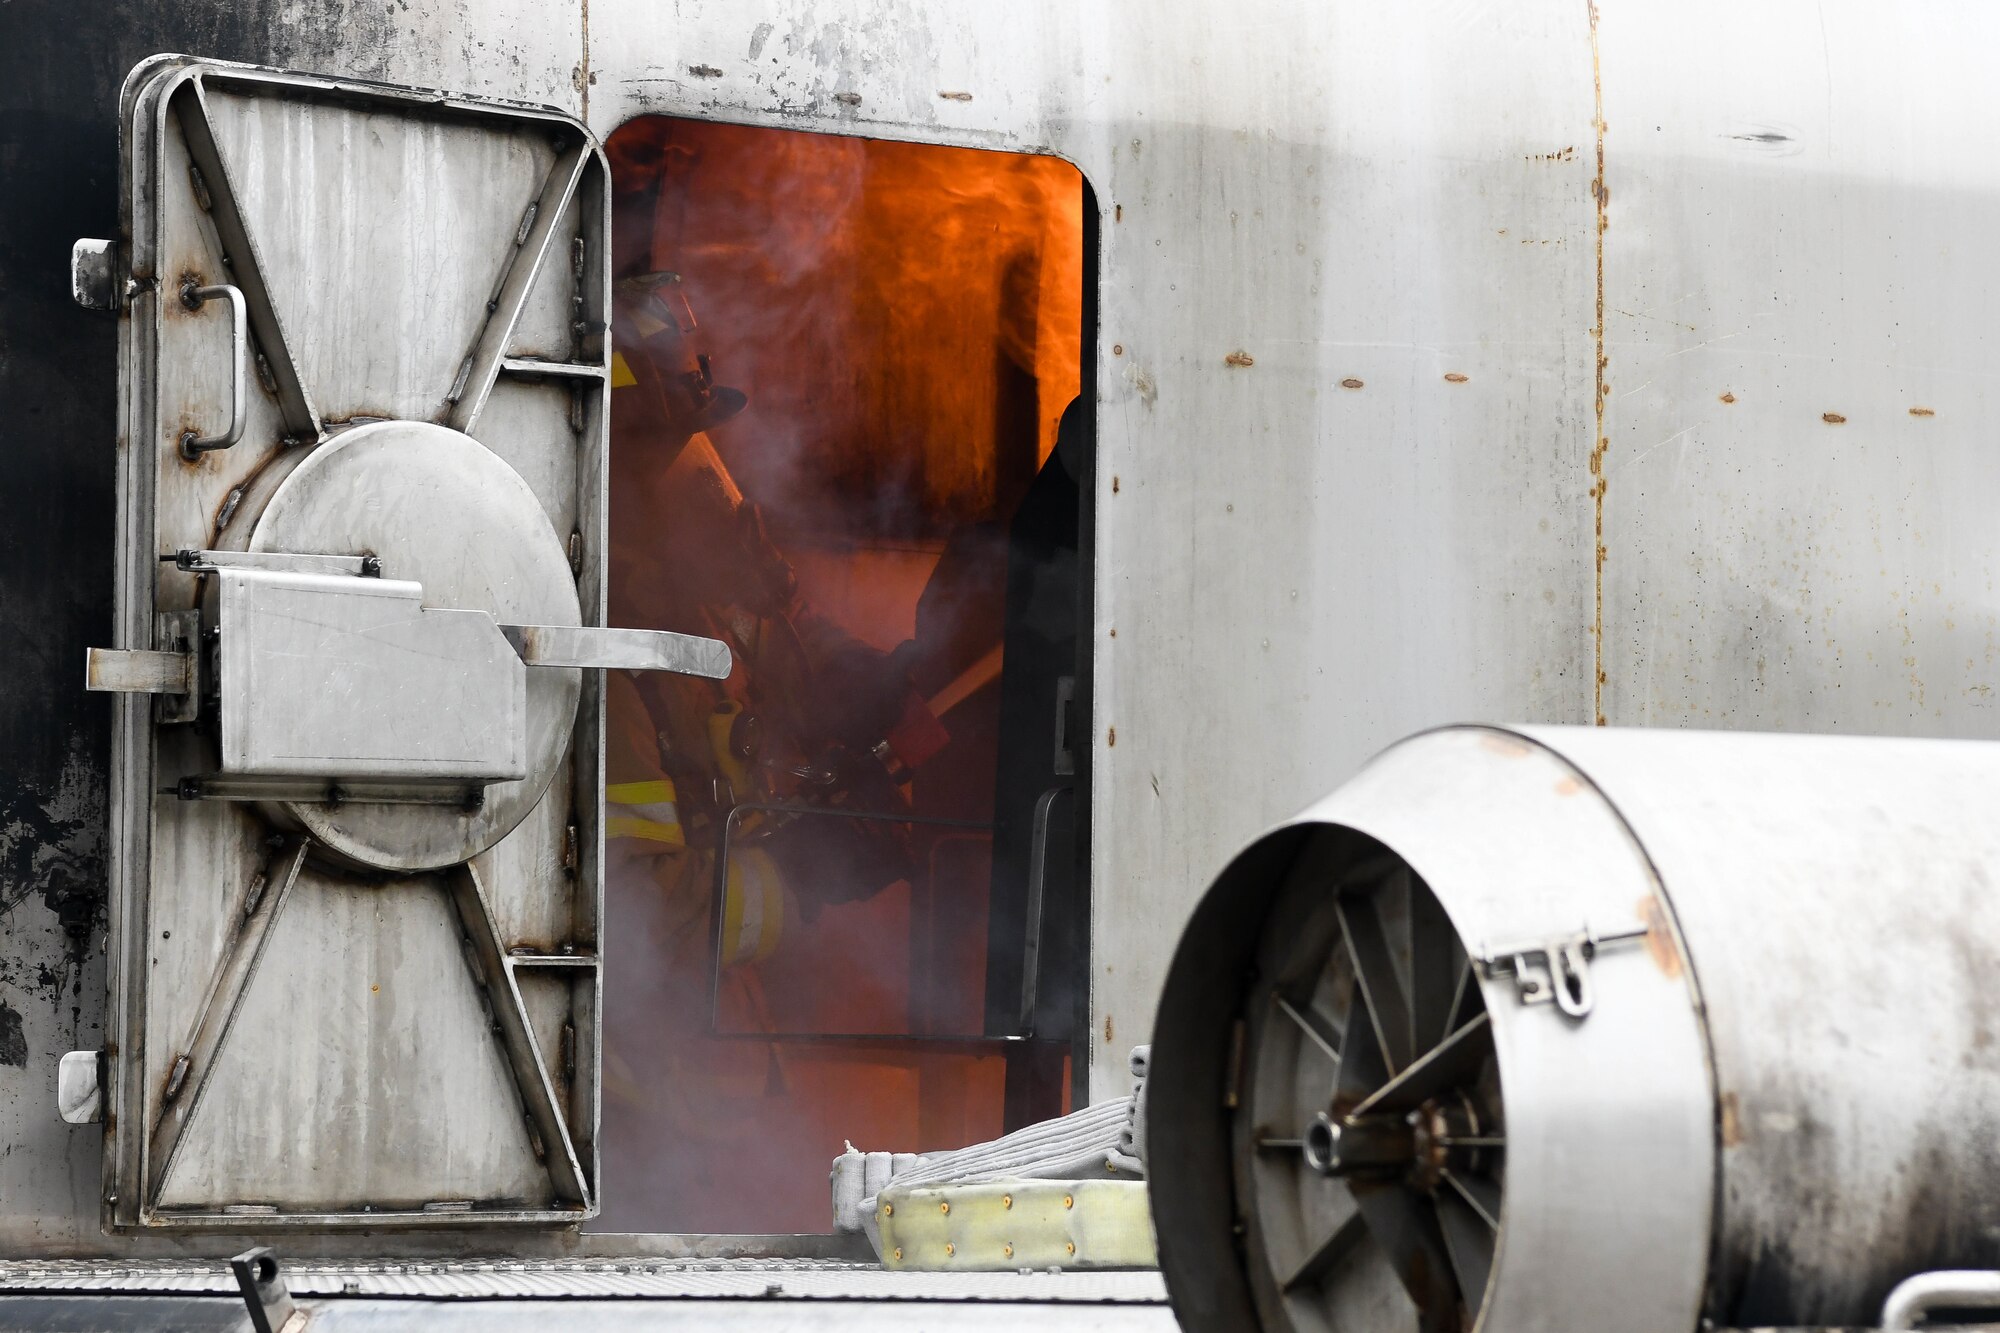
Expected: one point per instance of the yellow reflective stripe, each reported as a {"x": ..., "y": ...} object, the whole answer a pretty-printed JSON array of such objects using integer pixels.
[
  {"x": 621, "y": 374},
  {"x": 732, "y": 915},
  {"x": 774, "y": 923},
  {"x": 640, "y": 793},
  {"x": 650, "y": 830},
  {"x": 753, "y": 910}
]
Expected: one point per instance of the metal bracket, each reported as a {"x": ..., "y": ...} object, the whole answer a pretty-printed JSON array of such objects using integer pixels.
[
  {"x": 264, "y": 1292},
  {"x": 93, "y": 274},
  {"x": 180, "y": 632},
  {"x": 138, "y": 671},
  {"x": 172, "y": 672},
  {"x": 1556, "y": 968}
]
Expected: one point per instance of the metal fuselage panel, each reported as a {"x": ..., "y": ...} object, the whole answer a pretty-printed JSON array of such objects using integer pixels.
[{"x": 1451, "y": 365}]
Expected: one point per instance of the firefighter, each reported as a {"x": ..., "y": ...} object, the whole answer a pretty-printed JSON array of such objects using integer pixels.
[{"x": 808, "y": 716}]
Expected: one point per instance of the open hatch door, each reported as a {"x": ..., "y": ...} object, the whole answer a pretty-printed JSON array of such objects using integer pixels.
[{"x": 356, "y": 773}]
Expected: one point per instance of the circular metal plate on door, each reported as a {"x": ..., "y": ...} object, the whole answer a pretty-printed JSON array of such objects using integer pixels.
[{"x": 435, "y": 507}]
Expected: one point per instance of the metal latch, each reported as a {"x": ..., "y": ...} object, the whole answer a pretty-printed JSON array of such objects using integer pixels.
[
  {"x": 171, "y": 672},
  {"x": 334, "y": 683},
  {"x": 138, "y": 671},
  {"x": 1556, "y": 968}
]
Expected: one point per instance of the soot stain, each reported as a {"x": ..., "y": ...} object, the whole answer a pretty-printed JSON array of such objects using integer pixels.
[{"x": 13, "y": 1040}]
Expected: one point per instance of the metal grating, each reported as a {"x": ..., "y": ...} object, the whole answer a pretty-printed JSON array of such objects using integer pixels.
[{"x": 593, "y": 1279}]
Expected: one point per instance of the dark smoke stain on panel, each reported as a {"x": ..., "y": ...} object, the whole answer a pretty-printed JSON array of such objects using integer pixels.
[
  {"x": 59, "y": 859},
  {"x": 13, "y": 1042},
  {"x": 58, "y": 374}
]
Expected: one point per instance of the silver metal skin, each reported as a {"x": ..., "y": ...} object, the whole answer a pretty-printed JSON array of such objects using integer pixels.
[
  {"x": 1373, "y": 585},
  {"x": 1713, "y": 1137},
  {"x": 193, "y": 296},
  {"x": 1914, "y": 1298}
]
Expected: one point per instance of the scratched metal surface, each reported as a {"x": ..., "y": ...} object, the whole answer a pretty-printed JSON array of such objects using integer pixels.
[
  {"x": 1295, "y": 196},
  {"x": 1494, "y": 268},
  {"x": 1299, "y": 571}
]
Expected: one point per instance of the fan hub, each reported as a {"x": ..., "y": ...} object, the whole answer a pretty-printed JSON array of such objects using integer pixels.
[
  {"x": 1374, "y": 1147},
  {"x": 1439, "y": 1131}
]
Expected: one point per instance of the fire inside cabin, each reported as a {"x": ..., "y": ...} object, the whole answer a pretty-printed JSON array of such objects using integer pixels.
[{"x": 842, "y": 902}]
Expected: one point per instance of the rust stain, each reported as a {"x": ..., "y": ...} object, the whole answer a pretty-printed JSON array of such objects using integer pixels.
[
  {"x": 1833, "y": 418},
  {"x": 1568, "y": 786},
  {"x": 1117, "y": 349},
  {"x": 1350, "y": 384},
  {"x": 1114, "y": 485},
  {"x": 1732, "y": 1121},
  {"x": 1660, "y": 946},
  {"x": 1564, "y": 154},
  {"x": 1500, "y": 743},
  {"x": 1118, "y": 212},
  {"x": 1107, "y": 1029},
  {"x": 1454, "y": 377},
  {"x": 1239, "y": 358},
  {"x": 1601, "y": 193},
  {"x": 1728, "y": 397},
  {"x": 1110, "y": 737},
  {"x": 1922, "y": 412},
  {"x": 705, "y": 71},
  {"x": 584, "y": 78},
  {"x": 956, "y": 97}
]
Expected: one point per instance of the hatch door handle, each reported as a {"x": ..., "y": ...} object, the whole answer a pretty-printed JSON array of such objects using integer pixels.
[
  {"x": 619, "y": 649},
  {"x": 193, "y": 297}
]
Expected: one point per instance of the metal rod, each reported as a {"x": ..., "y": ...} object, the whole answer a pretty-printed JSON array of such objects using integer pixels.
[
  {"x": 1368, "y": 947},
  {"x": 1912, "y": 1299},
  {"x": 1311, "y": 1029},
  {"x": 1031, "y": 940}
]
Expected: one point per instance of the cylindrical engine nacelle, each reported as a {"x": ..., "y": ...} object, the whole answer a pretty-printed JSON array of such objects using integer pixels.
[{"x": 1557, "y": 1029}]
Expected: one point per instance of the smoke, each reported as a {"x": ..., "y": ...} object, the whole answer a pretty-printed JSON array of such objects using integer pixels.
[
  {"x": 853, "y": 289},
  {"x": 905, "y": 320}
]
